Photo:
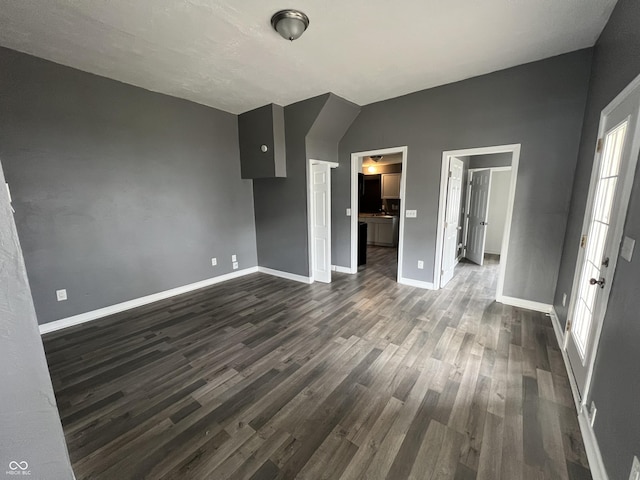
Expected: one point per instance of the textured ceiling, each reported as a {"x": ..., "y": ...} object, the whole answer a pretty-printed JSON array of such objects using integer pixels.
[{"x": 223, "y": 53}]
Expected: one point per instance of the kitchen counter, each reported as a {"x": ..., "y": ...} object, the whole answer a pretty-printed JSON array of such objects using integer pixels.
[{"x": 382, "y": 230}]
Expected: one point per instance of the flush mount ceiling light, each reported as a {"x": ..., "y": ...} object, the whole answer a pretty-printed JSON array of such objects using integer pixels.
[
  {"x": 290, "y": 24},
  {"x": 376, "y": 158}
]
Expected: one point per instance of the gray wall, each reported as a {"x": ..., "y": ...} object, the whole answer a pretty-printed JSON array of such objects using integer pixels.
[
  {"x": 490, "y": 160},
  {"x": 29, "y": 421},
  {"x": 616, "y": 383},
  {"x": 119, "y": 192},
  {"x": 539, "y": 105},
  {"x": 313, "y": 128},
  {"x": 281, "y": 203}
]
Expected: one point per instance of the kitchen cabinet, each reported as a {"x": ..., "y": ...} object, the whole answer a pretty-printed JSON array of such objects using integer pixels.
[
  {"x": 262, "y": 142},
  {"x": 391, "y": 185},
  {"x": 381, "y": 230}
]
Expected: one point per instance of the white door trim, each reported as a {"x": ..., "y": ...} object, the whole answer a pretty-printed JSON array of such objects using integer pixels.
[
  {"x": 514, "y": 149},
  {"x": 625, "y": 196},
  {"x": 309, "y": 212},
  {"x": 356, "y": 167}
]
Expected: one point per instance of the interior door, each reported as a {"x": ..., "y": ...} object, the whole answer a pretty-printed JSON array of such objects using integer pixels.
[
  {"x": 610, "y": 186},
  {"x": 452, "y": 220},
  {"x": 477, "y": 219},
  {"x": 321, "y": 222}
]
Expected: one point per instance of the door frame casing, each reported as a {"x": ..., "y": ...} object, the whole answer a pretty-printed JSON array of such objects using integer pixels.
[
  {"x": 356, "y": 167},
  {"x": 625, "y": 197},
  {"x": 514, "y": 149},
  {"x": 310, "y": 213}
]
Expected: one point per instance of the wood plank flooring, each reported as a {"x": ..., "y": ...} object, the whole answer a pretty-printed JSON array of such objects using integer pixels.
[{"x": 263, "y": 378}]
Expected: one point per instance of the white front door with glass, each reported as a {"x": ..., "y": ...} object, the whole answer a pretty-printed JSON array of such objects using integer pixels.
[{"x": 612, "y": 176}]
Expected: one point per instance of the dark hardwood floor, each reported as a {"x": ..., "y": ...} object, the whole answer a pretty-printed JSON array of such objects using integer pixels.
[{"x": 264, "y": 378}]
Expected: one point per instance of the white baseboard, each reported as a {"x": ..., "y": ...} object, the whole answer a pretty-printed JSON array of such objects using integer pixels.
[
  {"x": 528, "y": 304},
  {"x": 138, "y": 302},
  {"x": 416, "y": 283},
  {"x": 592, "y": 449},
  {"x": 339, "y": 269},
  {"x": 557, "y": 328},
  {"x": 287, "y": 275},
  {"x": 596, "y": 465}
]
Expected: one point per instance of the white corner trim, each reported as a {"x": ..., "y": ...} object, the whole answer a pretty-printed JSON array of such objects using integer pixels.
[
  {"x": 339, "y": 269},
  {"x": 416, "y": 283},
  {"x": 287, "y": 275},
  {"x": 138, "y": 302},
  {"x": 528, "y": 304},
  {"x": 557, "y": 328},
  {"x": 592, "y": 449}
]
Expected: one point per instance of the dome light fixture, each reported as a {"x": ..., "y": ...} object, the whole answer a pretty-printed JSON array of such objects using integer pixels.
[{"x": 290, "y": 24}]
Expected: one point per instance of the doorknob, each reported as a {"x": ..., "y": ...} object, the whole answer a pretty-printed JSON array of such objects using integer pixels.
[{"x": 600, "y": 282}]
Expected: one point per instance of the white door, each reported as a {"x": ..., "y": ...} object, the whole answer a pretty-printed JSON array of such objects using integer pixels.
[
  {"x": 451, "y": 220},
  {"x": 477, "y": 216},
  {"x": 611, "y": 180},
  {"x": 321, "y": 222}
]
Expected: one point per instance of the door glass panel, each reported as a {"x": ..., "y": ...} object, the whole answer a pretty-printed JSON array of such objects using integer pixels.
[{"x": 597, "y": 235}]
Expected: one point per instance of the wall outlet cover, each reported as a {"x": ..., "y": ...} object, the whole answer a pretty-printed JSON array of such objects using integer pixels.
[
  {"x": 420, "y": 264},
  {"x": 412, "y": 214},
  {"x": 234, "y": 258},
  {"x": 235, "y": 265},
  {"x": 214, "y": 262},
  {"x": 61, "y": 295}
]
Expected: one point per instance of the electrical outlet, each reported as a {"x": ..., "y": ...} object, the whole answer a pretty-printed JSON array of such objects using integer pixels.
[
  {"x": 235, "y": 265},
  {"x": 234, "y": 258},
  {"x": 635, "y": 469},
  {"x": 61, "y": 295},
  {"x": 348, "y": 212},
  {"x": 214, "y": 262},
  {"x": 564, "y": 299},
  {"x": 412, "y": 214},
  {"x": 420, "y": 264}
]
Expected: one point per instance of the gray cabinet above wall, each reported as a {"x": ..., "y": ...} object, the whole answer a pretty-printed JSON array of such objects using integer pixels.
[{"x": 262, "y": 142}]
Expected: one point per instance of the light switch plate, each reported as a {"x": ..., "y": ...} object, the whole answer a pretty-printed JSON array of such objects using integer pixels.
[
  {"x": 348, "y": 212},
  {"x": 235, "y": 265},
  {"x": 420, "y": 264},
  {"x": 61, "y": 295},
  {"x": 234, "y": 258},
  {"x": 214, "y": 262},
  {"x": 412, "y": 213},
  {"x": 626, "y": 251}
]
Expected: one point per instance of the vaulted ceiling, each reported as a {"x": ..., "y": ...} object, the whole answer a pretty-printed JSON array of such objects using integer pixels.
[{"x": 224, "y": 53}]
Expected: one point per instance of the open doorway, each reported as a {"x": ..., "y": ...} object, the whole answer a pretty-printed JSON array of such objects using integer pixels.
[
  {"x": 475, "y": 211},
  {"x": 377, "y": 206}
]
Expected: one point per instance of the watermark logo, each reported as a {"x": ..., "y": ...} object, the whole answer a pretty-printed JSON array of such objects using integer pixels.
[{"x": 18, "y": 468}]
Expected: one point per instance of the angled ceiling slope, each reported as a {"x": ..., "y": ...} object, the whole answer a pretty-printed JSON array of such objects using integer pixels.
[{"x": 226, "y": 55}]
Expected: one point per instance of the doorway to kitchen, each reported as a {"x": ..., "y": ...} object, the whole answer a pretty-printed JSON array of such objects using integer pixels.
[
  {"x": 377, "y": 206},
  {"x": 477, "y": 191}
]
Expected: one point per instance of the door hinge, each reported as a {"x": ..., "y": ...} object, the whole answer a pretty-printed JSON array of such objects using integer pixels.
[
  {"x": 568, "y": 329},
  {"x": 599, "y": 146},
  {"x": 449, "y": 173},
  {"x": 583, "y": 241},
  {"x": 441, "y": 272}
]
